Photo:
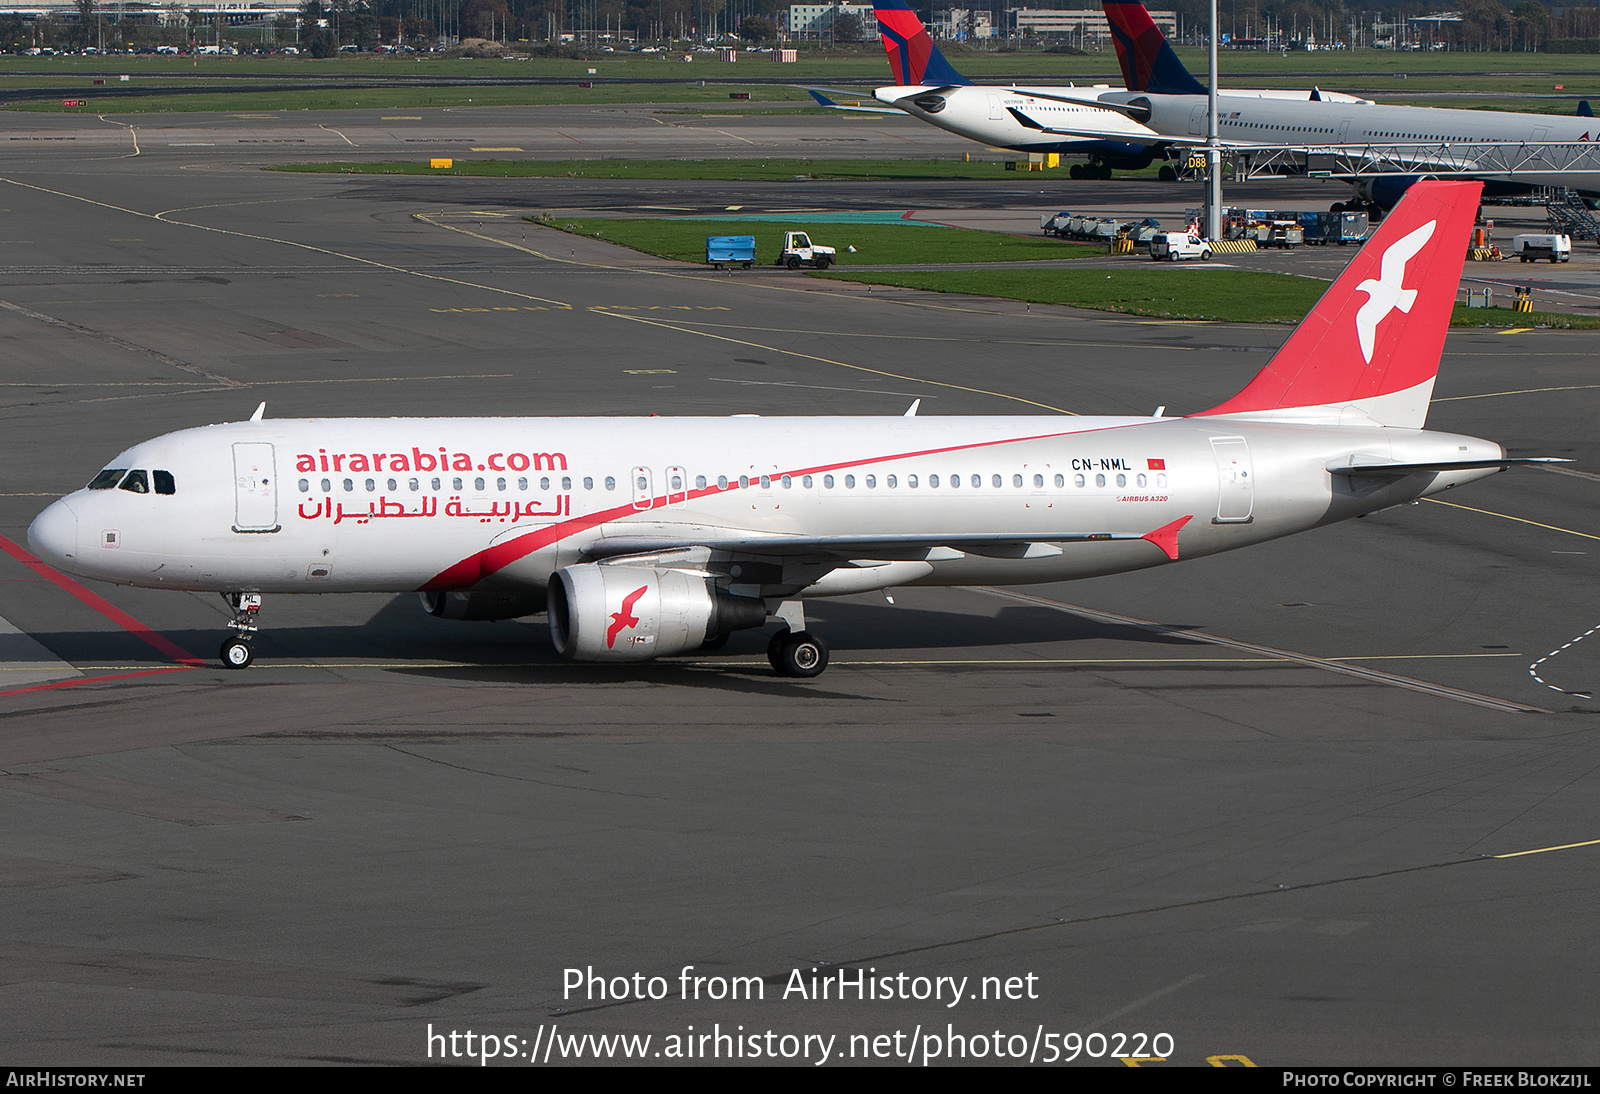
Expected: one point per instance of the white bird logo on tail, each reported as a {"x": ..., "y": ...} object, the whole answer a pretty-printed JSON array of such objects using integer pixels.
[{"x": 1388, "y": 293}]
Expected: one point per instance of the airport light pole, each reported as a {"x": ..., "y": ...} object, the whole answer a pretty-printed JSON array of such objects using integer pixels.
[{"x": 1213, "y": 149}]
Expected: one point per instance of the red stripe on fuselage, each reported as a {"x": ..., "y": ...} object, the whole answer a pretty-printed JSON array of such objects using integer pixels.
[{"x": 473, "y": 569}]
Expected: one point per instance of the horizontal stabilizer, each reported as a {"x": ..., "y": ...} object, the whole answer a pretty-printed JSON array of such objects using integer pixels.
[
  {"x": 823, "y": 100},
  {"x": 1399, "y": 470}
]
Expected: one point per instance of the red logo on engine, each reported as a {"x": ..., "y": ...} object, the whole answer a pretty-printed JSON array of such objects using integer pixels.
[{"x": 621, "y": 621}]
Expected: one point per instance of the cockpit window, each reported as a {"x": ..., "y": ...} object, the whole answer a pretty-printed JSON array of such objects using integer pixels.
[
  {"x": 164, "y": 482},
  {"x": 107, "y": 478},
  {"x": 136, "y": 482}
]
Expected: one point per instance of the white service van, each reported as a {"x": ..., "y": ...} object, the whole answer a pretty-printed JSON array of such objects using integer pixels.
[
  {"x": 1173, "y": 246},
  {"x": 1532, "y": 247}
]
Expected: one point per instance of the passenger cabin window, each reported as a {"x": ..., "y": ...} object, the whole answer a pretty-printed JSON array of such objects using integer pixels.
[
  {"x": 136, "y": 482},
  {"x": 107, "y": 478}
]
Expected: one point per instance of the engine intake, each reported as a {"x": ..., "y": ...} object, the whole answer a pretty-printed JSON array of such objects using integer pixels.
[{"x": 634, "y": 613}]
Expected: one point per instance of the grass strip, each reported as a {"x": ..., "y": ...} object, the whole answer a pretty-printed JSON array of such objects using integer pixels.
[
  {"x": 1188, "y": 291},
  {"x": 878, "y": 244}
]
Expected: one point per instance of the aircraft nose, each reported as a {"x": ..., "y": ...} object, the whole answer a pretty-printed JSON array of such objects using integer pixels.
[{"x": 53, "y": 535}]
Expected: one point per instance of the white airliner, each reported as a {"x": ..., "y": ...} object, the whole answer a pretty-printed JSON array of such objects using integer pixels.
[
  {"x": 646, "y": 537},
  {"x": 1071, "y": 120},
  {"x": 1168, "y": 100},
  {"x": 1165, "y": 107}
]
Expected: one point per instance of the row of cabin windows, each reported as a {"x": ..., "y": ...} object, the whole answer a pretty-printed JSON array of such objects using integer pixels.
[
  {"x": 480, "y": 484},
  {"x": 135, "y": 481},
  {"x": 1388, "y": 133},
  {"x": 892, "y": 482},
  {"x": 808, "y": 482}
]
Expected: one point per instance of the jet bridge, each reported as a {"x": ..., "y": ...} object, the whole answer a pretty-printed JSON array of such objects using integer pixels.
[{"x": 1355, "y": 162}]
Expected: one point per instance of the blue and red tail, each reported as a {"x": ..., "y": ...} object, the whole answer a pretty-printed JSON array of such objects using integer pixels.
[
  {"x": 1148, "y": 63},
  {"x": 913, "y": 58}
]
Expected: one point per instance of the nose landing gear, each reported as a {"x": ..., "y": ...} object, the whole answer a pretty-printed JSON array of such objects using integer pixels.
[{"x": 237, "y": 651}]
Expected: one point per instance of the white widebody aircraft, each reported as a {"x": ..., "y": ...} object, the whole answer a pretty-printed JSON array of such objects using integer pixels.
[
  {"x": 646, "y": 537},
  {"x": 1090, "y": 121},
  {"x": 1164, "y": 109},
  {"x": 1165, "y": 98}
]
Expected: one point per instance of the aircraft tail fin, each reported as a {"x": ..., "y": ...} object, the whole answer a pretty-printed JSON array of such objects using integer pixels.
[
  {"x": 1369, "y": 351},
  {"x": 1148, "y": 63},
  {"x": 913, "y": 58}
]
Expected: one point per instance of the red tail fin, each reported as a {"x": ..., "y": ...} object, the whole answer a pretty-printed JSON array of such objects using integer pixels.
[{"x": 1369, "y": 351}]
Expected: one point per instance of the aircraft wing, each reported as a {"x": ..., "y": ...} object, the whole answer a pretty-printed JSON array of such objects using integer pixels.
[
  {"x": 823, "y": 100},
  {"x": 1129, "y": 131},
  {"x": 920, "y": 547},
  {"x": 1085, "y": 99}
]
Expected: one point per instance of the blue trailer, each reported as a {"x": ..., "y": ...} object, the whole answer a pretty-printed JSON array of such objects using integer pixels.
[{"x": 727, "y": 250}]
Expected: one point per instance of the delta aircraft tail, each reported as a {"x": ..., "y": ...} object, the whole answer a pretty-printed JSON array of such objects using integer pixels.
[
  {"x": 1369, "y": 351},
  {"x": 1148, "y": 63},
  {"x": 913, "y": 58}
]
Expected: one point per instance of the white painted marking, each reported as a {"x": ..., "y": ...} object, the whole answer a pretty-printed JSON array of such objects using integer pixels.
[
  {"x": 24, "y": 661},
  {"x": 1533, "y": 669}
]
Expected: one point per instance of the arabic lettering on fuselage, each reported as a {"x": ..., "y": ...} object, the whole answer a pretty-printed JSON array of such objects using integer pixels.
[
  {"x": 418, "y": 459},
  {"x": 428, "y": 506}
]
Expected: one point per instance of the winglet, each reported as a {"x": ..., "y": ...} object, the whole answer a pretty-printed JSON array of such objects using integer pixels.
[
  {"x": 1166, "y": 537},
  {"x": 822, "y": 100},
  {"x": 912, "y": 412},
  {"x": 261, "y": 412}
]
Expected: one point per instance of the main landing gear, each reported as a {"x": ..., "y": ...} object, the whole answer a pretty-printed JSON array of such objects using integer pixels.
[
  {"x": 795, "y": 651},
  {"x": 237, "y": 652}
]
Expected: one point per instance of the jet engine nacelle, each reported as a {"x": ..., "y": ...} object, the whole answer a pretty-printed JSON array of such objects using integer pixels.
[
  {"x": 483, "y": 606},
  {"x": 1386, "y": 191},
  {"x": 633, "y": 613}
]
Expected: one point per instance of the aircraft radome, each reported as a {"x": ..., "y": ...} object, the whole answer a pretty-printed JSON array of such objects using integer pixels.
[{"x": 648, "y": 537}]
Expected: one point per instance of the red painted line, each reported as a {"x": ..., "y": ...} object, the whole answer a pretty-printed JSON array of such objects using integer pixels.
[
  {"x": 103, "y": 606},
  {"x": 473, "y": 569},
  {"x": 908, "y": 214},
  {"x": 98, "y": 679}
]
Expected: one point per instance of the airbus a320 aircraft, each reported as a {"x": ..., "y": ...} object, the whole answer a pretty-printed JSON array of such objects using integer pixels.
[{"x": 645, "y": 537}]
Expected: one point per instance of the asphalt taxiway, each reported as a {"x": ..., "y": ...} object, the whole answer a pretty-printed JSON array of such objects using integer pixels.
[{"x": 1278, "y": 805}]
